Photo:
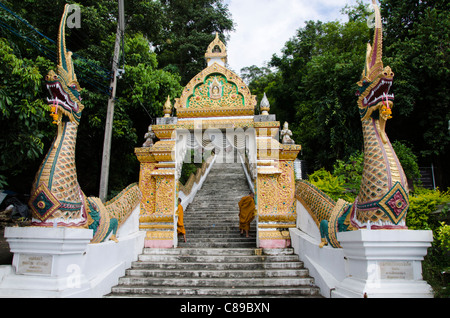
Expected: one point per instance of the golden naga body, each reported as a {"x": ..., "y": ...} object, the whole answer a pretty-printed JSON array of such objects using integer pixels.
[
  {"x": 382, "y": 201},
  {"x": 56, "y": 196}
]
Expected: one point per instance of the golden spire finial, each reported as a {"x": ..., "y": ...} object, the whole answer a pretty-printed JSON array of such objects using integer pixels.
[
  {"x": 216, "y": 52},
  {"x": 265, "y": 105},
  {"x": 167, "y": 107}
]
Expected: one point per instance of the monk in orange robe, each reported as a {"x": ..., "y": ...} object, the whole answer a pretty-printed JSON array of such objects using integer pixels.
[
  {"x": 246, "y": 213},
  {"x": 180, "y": 223}
]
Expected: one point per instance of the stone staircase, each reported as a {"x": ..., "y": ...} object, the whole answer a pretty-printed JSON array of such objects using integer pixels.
[
  {"x": 212, "y": 219},
  {"x": 216, "y": 261}
]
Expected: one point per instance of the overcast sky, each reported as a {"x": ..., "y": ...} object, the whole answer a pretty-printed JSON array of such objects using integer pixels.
[{"x": 262, "y": 27}]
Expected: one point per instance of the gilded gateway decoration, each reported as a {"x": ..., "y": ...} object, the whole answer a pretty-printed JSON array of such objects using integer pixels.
[
  {"x": 216, "y": 91},
  {"x": 218, "y": 99}
]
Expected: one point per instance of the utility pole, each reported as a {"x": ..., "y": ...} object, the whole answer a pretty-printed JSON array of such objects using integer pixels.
[{"x": 104, "y": 176}]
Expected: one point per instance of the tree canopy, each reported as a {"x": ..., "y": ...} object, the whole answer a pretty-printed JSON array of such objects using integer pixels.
[
  {"x": 312, "y": 84},
  {"x": 164, "y": 44}
]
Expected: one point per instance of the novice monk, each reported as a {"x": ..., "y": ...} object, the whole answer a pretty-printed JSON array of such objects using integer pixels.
[
  {"x": 180, "y": 223},
  {"x": 246, "y": 213}
]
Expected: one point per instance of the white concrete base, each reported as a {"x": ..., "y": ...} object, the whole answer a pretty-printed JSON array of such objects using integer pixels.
[
  {"x": 384, "y": 263},
  {"x": 326, "y": 265},
  {"x": 60, "y": 262}
]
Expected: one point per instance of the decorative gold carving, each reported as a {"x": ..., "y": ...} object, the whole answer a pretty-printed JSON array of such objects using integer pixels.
[
  {"x": 164, "y": 131},
  {"x": 216, "y": 91},
  {"x": 276, "y": 192},
  {"x": 215, "y": 123},
  {"x": 167, "y": 107},
  {"x": 156, "y": 218},
  {"x": 274, "y": 235},
  {"x": 158, "y": 235}
]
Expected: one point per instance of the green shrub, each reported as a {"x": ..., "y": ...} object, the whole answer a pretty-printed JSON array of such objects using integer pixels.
[
  {"x": 443, "y": 236},
  {"x": 408, "y": 161},
  {"x": 331, "y": 185},
  {"x": 423, "y": 215},
  {"x": 422, "y": 203},
  {"x": 350, "y": 172}
]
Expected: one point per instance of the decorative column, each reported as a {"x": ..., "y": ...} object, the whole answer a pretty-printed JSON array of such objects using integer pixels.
[
  {"x": 275, "y": 185},
  {"x": 158, "y": 186}
]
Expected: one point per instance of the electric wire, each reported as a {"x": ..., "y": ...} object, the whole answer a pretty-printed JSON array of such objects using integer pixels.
[{"x": 51, "y": 54}]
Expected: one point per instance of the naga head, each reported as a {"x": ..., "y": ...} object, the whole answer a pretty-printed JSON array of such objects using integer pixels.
[
  {"x": 376, "y": 80},
  {"x": 64, "y": 88}
]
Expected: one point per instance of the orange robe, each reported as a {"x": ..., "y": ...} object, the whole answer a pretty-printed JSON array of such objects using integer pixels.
[
  {"x": 180, "y": 223},
  {"x": 246, "y": 212}
]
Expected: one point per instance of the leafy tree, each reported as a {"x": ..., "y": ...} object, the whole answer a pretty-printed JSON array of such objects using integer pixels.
[
  {"x": 418, "y": 42},
  {"x": 188, "y": 29},
  {"x": 260, "y": 80},
  {"x": 316, "y": 87},
  {"x": 141, "y": 92},
  {"x": 22, "y": 115}
]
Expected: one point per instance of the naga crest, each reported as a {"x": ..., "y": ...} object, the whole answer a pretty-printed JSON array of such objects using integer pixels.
[
  {"x": 63, "y": 85},
  {"x": 376, "y": 80}
]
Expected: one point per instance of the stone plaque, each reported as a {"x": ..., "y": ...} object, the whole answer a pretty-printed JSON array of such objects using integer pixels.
[
  {"x": 396, "y": 270},
  {"x": 35, "y": 264}
]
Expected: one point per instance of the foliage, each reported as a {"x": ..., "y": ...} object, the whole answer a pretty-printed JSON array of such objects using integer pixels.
[
  {"x": 189, "y": 167},
  {"x": 408, "y": 161},
  {"x": 331, "y": 185},
  {"x": 312, "y": 83},
  {"x": 417, "y": 43},
  {"x": 22, "y": 113},
  {"x": 422, "y": 203},
  {"x": 188, "y": 28},
  {"x": 350, "y": 171},
  {"x": 149, "y": 62},
  {"x": 443, "y": 236},
  {"x": 315, "y": 88},
  {"x": 423, "y": 215}
]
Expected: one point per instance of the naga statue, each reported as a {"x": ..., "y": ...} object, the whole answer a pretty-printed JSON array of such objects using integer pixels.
[
  {"x": 382, "y": 201},
  {"x": 56, "y": 196}
]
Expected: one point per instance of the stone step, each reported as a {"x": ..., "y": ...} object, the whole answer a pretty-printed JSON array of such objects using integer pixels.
[
  {"x": 215, "y": 251},
  {"x": 228, "y": 239},
  {"x": 241, "y": 292},
  {"x": 217, "y": 244},
  {"x": 217, "y": 235},
  {"x": 215, "y": 282},
  {"x": 215, "y": 266},
  {"x": 213, "y": 227},
  {"x": 217, "y": 258},
  {"x": 237, "y": 273},
  {"x": 216, "y": 261}
]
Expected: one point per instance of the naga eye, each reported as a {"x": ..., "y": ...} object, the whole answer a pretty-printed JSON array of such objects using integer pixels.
[{"x": 55, "y": 77}]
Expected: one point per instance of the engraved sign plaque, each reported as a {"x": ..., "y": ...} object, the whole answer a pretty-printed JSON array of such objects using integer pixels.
[
  {"x": 34, "y": 264},
  {"x": 396, "y": 270}
]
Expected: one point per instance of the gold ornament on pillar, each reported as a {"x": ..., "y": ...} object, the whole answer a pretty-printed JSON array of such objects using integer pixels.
[
  {"x": 265, "y": 105},
  {"x": 167, "y": 107}
]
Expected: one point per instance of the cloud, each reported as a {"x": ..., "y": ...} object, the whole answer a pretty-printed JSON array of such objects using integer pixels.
[{"x": 264, "y": 26}]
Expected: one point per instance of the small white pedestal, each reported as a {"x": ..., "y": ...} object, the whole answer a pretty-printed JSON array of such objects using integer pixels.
[
  {"x": 60, "y": 262},
  {"x": 47, "y": 262},
  {"x": 384, "y": 263}
]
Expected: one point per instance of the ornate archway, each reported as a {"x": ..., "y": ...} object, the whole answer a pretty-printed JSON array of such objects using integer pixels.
[{"x": 218, "y": 101}]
